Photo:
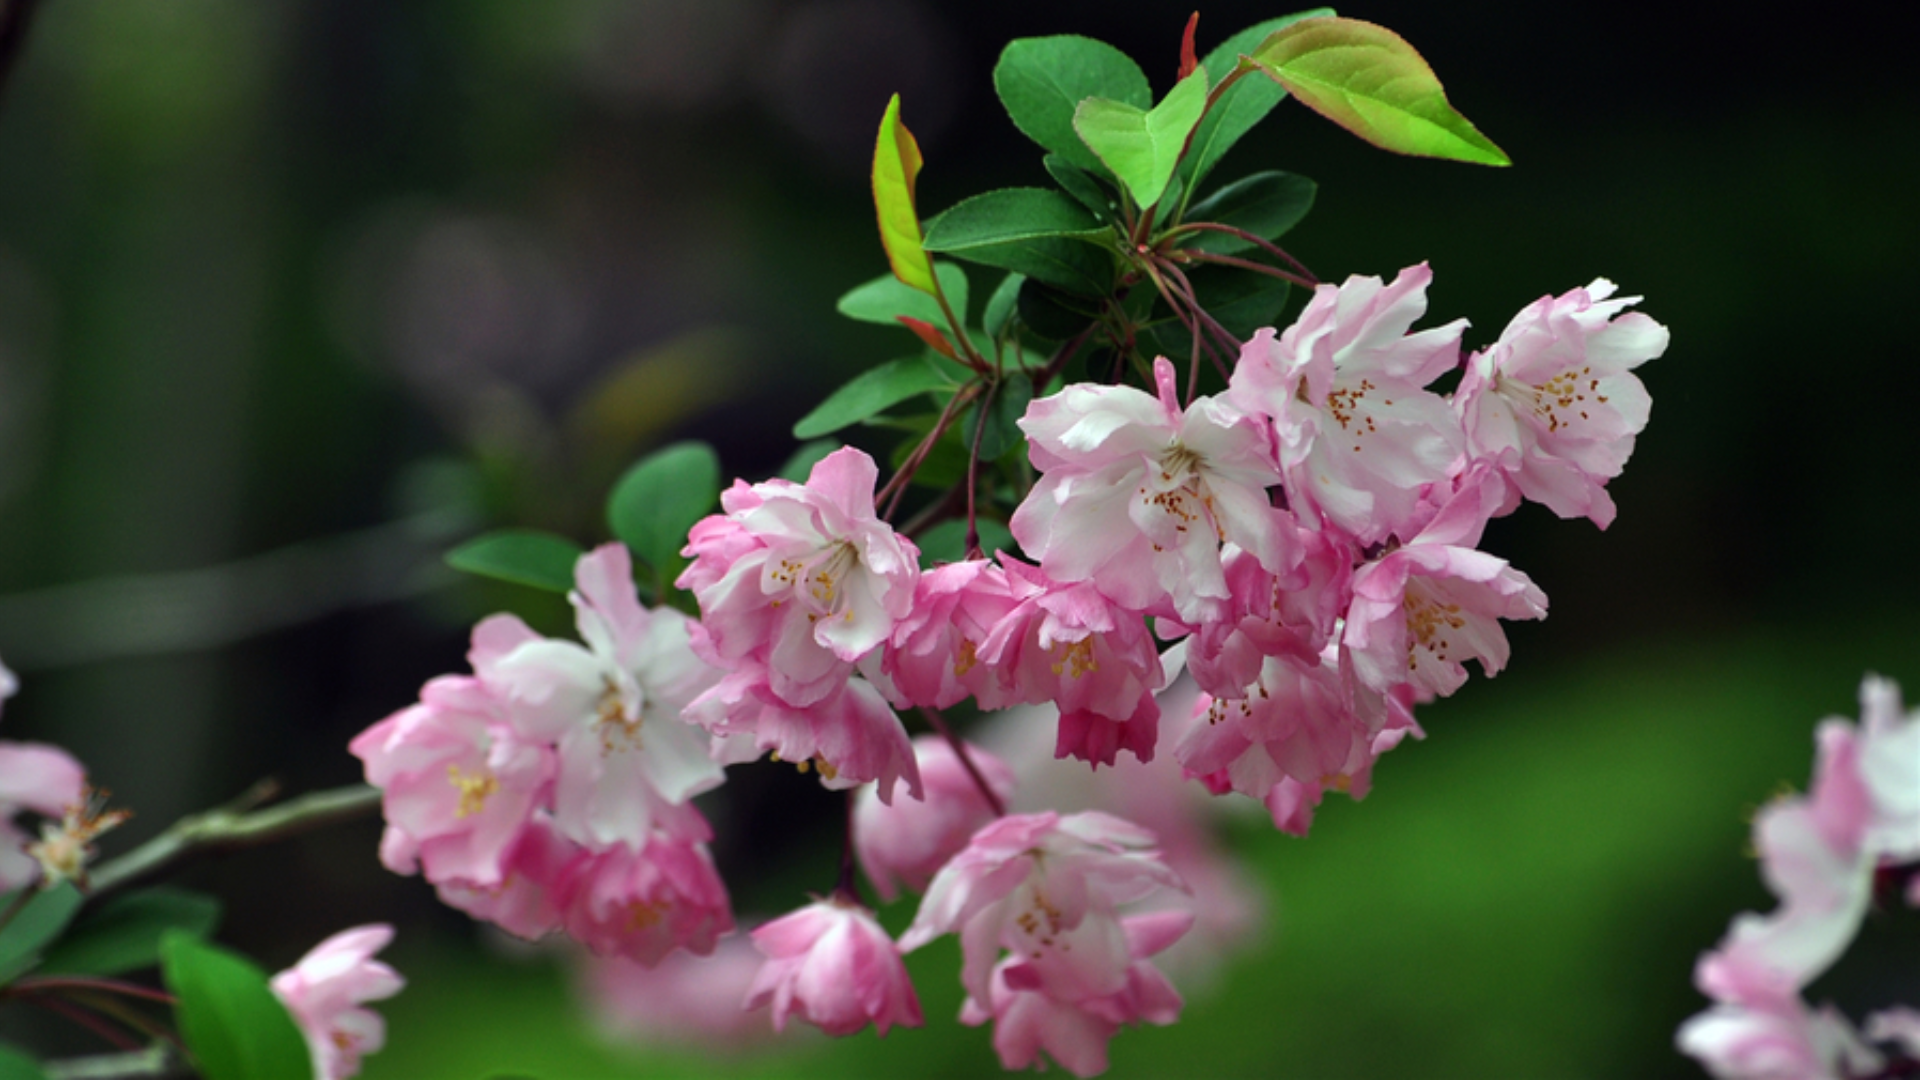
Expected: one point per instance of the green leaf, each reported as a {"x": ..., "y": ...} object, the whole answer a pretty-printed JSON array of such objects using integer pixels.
[
  {"x": 896, "y": 163},
  {"x": 123, "y": 933},
  {"x": 945, "y": 464},
  {"x": 1241, "y": 105},
  {"x": 1002, "y": 304},
  {"x": 35, "y": 926},
  {"x": 1367, "y": 79},
  {"x": 1052, "y": 314},
  {"x": 870, "y": 392},
  {"x": 884, "y": 299},
  {"x": 1243, "y": 301},
  {"x": 1034, "y": 231},
  {"x": 660, "y": 498},
  {"x": 1041, "y": 81},
  {"x": 522, "y": 556},
  {"x": 947, "y": 541},
  {"x": 1265, "y": 204},
  {"x": 1001, "y": 431},
  {"x": 15, "y": 1065},
  {"x": 231, "y": 1021},
  {"x": 1081, "y": 184},
  {"x": 801, "y": 463},
  {"x": 1142, "y": 146}
]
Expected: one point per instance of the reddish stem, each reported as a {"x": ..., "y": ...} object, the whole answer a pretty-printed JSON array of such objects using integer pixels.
[{"x": 966, "y": 761}]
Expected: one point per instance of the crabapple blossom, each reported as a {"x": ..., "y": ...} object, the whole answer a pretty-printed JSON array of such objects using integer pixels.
[
  {"x": 907, "y": 842},
  {"x": 324, "y": 990},
  {"x": 644, "y": 904},
  {"x": 1137, "y": 495},
  {"x": 1358, "y": 436},
  {"x": 850, "y": 736},
  {"x": 832, "y": 965},
  {"x": 933, "y": 659},
  {"x": 1554, "y": 402},
  {"x": 1292, "y": 614},
  {"x": 686, "y": 998},
  {"x": 37, "y": 777}
]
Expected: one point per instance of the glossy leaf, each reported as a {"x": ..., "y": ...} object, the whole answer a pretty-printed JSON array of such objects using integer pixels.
[
  {"x": 1080, "y": 184},
  {"x": 522, "y": 556},
  {"x": 1052, "y": 314},
  {"x": 233, "y": 1025},
  {"x": 1142, "y": 146},
  {"x": 1041, "y": 81},
  {"x": 1368, "y": 80},
  {"x": 1040, "y": 233},
  {"x": 1239, "y": 106},
  {"x": 947, "y": 541},
  {"x": 1265, "y": 204},
  {"x": 871, "y": 391},
  {"x": 34, "y": 927},
  {"x": 661, "y": 496},
  {"x": 896, "y": 164},
  {"x": 123, "y": 933},
  {"x": 1001, "y": 432},
  {"x": 884, "y": 299},
  {"x": 1002, "y": 305}
]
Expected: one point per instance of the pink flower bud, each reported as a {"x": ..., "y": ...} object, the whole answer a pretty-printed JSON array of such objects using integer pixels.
[{"x": 832, "y": 965}]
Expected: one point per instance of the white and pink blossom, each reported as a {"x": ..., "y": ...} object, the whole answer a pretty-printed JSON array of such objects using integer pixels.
[
  {"x": 832, "y": 965},
  {"x": 39, "y": 778},
  {"x": 324, "y": 990}
]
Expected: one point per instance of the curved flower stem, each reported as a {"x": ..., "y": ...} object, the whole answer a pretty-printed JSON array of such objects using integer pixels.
[
  {"x": 88, "y": 1020},
  {"x": 1251, "y": 238},
  {"x": 896, "y": 485},
  {"x": 1193, "y": 363},
  {"x": 973, "y": 472},
  {"x": 1178, "y": 279},
  {"x": 227, "y": 829},
  {"x": 55, "y": 983},
  {"x": 1249, "y": 264},
  {"x": 939, "y": 724}
]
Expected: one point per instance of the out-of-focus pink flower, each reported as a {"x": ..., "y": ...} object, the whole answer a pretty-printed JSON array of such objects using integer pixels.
[
  {"x": 831, "y": 964},
  {"x": 612, "y": 707},
  {"x": 324, "y": 989},
  {"x": 907, "y": 842},
  {"x": 1554, "y": 404},
  {"x": 37, "y": 777},
  {"x": 457, "y": 782},
  {"x": 1358, "y": 434},
  {"x": 684, "y": 999},
  {"x": 9, "y": 684},
  {"x": 1137, "y": 494},
  {"x": 644, "y": 904},
  {"x": 1777, "y": 1040}
]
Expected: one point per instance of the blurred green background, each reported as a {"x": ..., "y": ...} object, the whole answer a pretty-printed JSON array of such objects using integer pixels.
[{"x": 296, "y": 293}]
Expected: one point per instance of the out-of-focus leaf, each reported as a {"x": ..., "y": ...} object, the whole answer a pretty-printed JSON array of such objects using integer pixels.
[
  {"x": 230, "y": 1019},
  {"x": 1241, "y": 105},
  {"x": 1367, "y": 79},
  {"x": 39, "y": 921},
  {"x": 884, "y": 299},
  {"x": 1041, "y": 81},
  {"x": 1142, "y": 146},
  {"x": 15, "y": 1065},
  {"x": 522, "y": 556},
  {"x": 1002, "y": 305},
  {"x": 123, "y": 933},
  {"x": 1265, "y": 204},
  {"x": 1037, "y": 232},
  {"x": 947, "y": 541},
  {"x": 661, "y": 496},
  {"x": 871, "y": 391},
  {"x": 896, "y": 162}
]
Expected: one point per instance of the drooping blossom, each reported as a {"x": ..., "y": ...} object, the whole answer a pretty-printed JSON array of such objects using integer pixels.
[
  {"x": 1819, "y": 853},
  {"x": 1554, "y": 403},
  {"x": 1137, "y": 494},
  {"x": 797, "y": 583},
  {"x": 934, "y": 657},
  {"x": 1357, "y": 433},
  {"x": 849, "y": 737},
  {"x": 685, "y": 999},
  {"x": 647, "y": 903},
  {"x": 611, "y": 707},
  {"x": 907, "y": 842},
  {"x": 324, "y": 990},
  {"x": 1292, "y": 614},
  {"x": 831, "y": 965},
  {"x": 39, "y": 778}
]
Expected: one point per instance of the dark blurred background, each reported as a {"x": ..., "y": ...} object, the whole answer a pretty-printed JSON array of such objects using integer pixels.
[{"x": 294, "y": 294}]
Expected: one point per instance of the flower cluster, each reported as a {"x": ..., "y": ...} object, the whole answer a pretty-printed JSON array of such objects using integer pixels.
[
  {"x": 550, "y": 789},
  {"x": 324, "y": 990},
  {"x": 1821, "y": 854}
]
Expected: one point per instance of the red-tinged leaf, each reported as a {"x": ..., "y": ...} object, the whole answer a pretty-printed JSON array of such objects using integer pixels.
[
  {"x": 930, "y": 334},
  {"x": 1368, "y": 80},
  {"x": 1188, "y": 59},
  {"x": 896, "y": 163}
]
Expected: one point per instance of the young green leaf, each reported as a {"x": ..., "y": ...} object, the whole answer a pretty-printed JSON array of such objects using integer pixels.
[
  {"x": 35, "y": 925},
  {"x": 1037, "y": 232},
  {"x": 1239, "y": 106},
  {"x": 886, "y": 298},
  {"x": 870, "y": 392},
  {"x": 522, "y": 556},
  {"x": 1265, "y": 204},
  {"x": 896, "y": 162},
  {"x": 1041, "y": 81},
  {"x": 1142, "y": 146},
  {"x": 230, "y": 1019},
  {"x": 1368, "y": 80},
  {"x": 660, "y": 498},
  {"x": 123, "y": 933},
  {"x": 1001, "y": 305}
]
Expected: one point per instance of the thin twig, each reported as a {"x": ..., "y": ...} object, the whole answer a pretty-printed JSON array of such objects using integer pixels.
[
  {"x": 225, "y": 830},
  {"x": 966, "y": 760},
  {"x": 80, "y": 982},
  {"x": 1251, "y": 238},
  {"x": 87, "y": 1020},
  {"x": 1249, "y": 264}
]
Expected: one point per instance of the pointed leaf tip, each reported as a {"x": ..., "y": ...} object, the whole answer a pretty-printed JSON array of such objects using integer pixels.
[
  {"x": 1143, "y": 147},
  {"x": 896, "y": 164},
  {"x": 1188, "y": 59}
]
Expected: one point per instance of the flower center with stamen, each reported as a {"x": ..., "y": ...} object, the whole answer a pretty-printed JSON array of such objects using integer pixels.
[
  {"x": 1074, "y": 658},
  {"x": 473, "y": 790},
  {"x": 619, "y": 730},
  {"x": 825, "y": 579},
  {"x": 645, "y": 914},
  {"x": 1552, "y": 401},
  {"x": 1429, "y": 622}
]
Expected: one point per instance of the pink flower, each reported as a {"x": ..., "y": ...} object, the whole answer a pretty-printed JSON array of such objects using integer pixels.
[
  {"x": 457, "y": 782},
  {"x": 323, "y": 990},
  {"x": 1358, "y": 435},
  {"x": 685, "y": 999},
  {"x": 643, "y": 905},
  {"x": 612, "y": 707},
  {"x": 1293, "y": 614},
  {"x": 1137, "y": 495},
  {"x": 1554, "y": 402},
  {"x": 933, "y": 659},
  {"x": 907, "y": 842},
  {"x": 833, "y": 966},
  {"x": 44, "y": 779},
  {"x": 849, "y": 737}
]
